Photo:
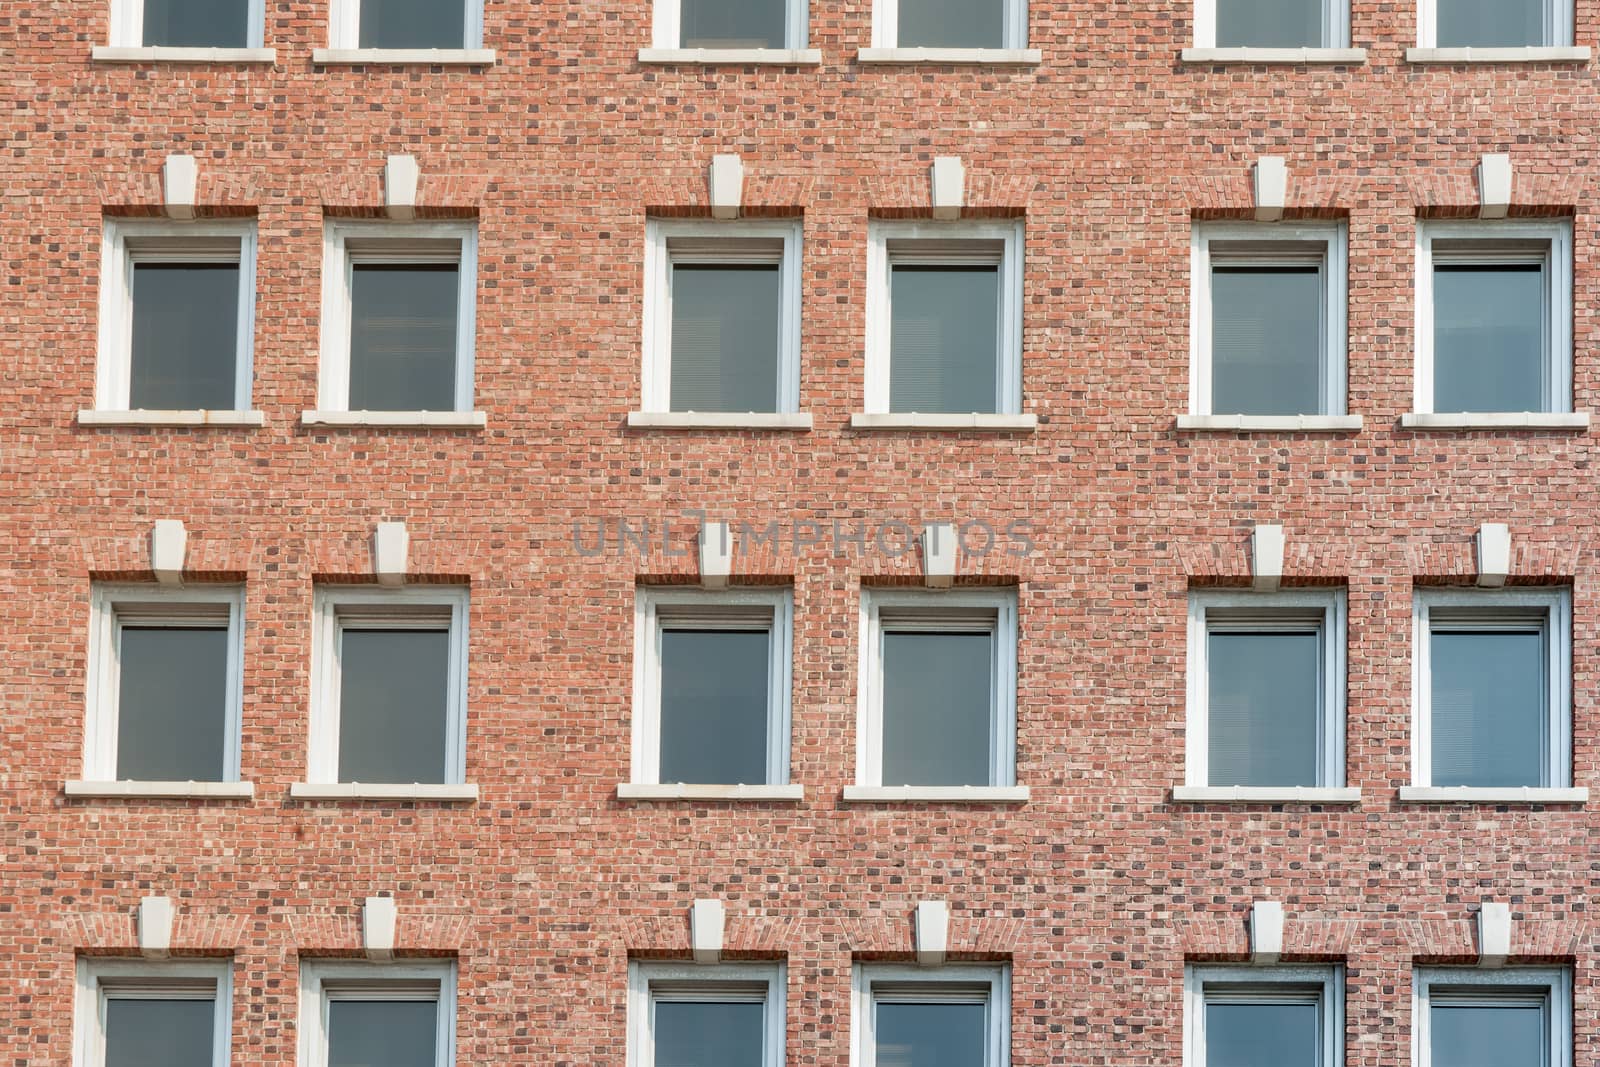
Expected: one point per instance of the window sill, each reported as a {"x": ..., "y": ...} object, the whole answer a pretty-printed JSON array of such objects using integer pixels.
[
  {"x": 1241, "y": 794},
  {"x": 635, "y": 791},
  {"x": 716, "y": 420},
  {"x": 748, "y": 57},
  {"x": 1501, "y": 420},
  {"x": 109, "y": 54},
  {"x": 1278, "y": 56},
  {"x": 162, "y": 790},
  {"x": 936, "y": 794},
  {"x": 913, "y": 421},
  {"x": 398, "y": 420},
  {"x": 430, "y": 57},
  {"x": 1270, "y": 423},
  {"x": 1413, "y": 794},
  {"x": 152, "y": 417},
  {"x": 994, "y": 57},
  {"x": 363, "y": 791},
  {"x": 1497, "y": 55}
]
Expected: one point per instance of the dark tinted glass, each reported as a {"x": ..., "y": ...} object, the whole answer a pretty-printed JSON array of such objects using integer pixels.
[
  {"x": 930, "y": 1035},
  {"x": 185, "y": 336},
  {"x": 1266, "y": 341},
  {"x": 1489, "y": 721},
  {"x": 1481, "y": 1035},
  {"x": 733, "y": 23},
  {"x": 1263, "y": 1035},
  {"x": 403, "y": 337},
  {"x": 197, "y": 23},
  {"x": 393, "y": 705},
  {"x": 951, "y": 24},
  {"x": 725, "y": 323},
  {"x": 1263, "y": 701},
  {"x": 1270, "y": 23},
  {"x": 172, "y": 704},
  {"x": 714, "y": 707},
  {"x": 1491, "y": 23},
  {"x": 1488, "y": 338},
  {"x": 708, "y": 1035},
  {"x": 944, "y": 339},
  {"x": 159, "y": 1033},
  {"x": 399, "y": 1033},
  {"x": 413, "y": 24},
  {"x": 937, "y": 689}
]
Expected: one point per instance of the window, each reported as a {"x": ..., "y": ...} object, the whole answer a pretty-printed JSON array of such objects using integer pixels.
[
  {"x": 938, "y": 688},
  {"x": 359, "y": 1014},
  {"x": 1268, "y": 330},
  {"x": 389, "y": 670},
  {"x": 950, "y": 24},
  {"x": 1494, "y": 23},
  {"x": 944, "y": 318},
  {"x": 730, "y": 1015},
  {"x": 711, "y": 687},
  {"x": 1487, "y": 1018},
  {"x": 1492, "y": 688},
  {"x": 398, "y": 316},
  {"x": 187, "y": 23},
  {"x": 1264, "y": 1017},
  {"x": 1494, "y": 317},
  {"x": 407, "y": 24},
  {"x": 1266, "y": 689},
  {"x": 1272, "y": 23},
  {"x": 722, "y": 317},
  {"x": 177, "y": 315},
  {"x": 730, "y": 23},
  {"x": 138, "y": 1013},
  {"x": 958, "y": 1014}
]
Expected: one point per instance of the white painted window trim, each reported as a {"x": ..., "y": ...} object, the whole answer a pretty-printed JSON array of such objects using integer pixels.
[
  {"x": 344, "y": 29},
  {"x": 1555, "y": 983},
  {"x": 696, "y": 240},
  {"x": 1335, "y": 27},
  {"x": 960, "y": 982},
  {"x": 1256, "y": 984},
  {"x": 1557, "y": 262},
  {"x": 1285, "y": 608},
  {"x": 1334, "y": 264},
  {"x": 764, "y": 983},
  {"x": 373, "y": 605},
  {"x": 997, "y": 608},
  {"x": 111, "y": 606},
  {"x": 944, "y": 241},
  {"x": 100, "y": 980},
  {"x": 129, "y": 241},
  {"x": 667, "y": 34},
  {"x": 886, "y": 26},
  {"x": 1557, "y": 603},
  {"x": 324, "y": 980},
  {"x": 127, "y": 27},
  {"x": 338, "y": 262},
  {"x": 1557, "y": 25}
]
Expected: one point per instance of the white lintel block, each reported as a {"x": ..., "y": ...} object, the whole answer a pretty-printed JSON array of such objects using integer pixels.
[
  {"x": 1266, "y": 557},
  {"x": 727, "y": 186},
  {"x": 1272, "y": 188},
  {"x": 933, "y": 932},
  {"x": 155, "y": 927},
  {"x": 1494, "y": 554},
  {"x": 400, "y": 176},
  {"x": 949, "y": 187},
  {"x": 1494, "y": 934},
  {"x": 391, "y": 553},
  {"x": 378, "y": 917},
  {"x": 1266, "y": 932},
  {"x": 708, "y": 921},
  {"x": 939, "y": 555},
  {"x": 169, "y": 544},
  {"x": 716, "y": 554},
  {"x": 1494, "y": 185},
  {"x": 180, "y": 178}
]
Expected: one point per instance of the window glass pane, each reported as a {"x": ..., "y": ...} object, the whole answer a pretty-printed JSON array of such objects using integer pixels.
[
  {"x": 395, "y": 1033},
  {"x": 413, "y": 24},
  {"x": 1264, "y": 698},
  {"x": 1264, "y": 1035},
  {"x": 1483, "y": 1035},
  {"x": 1488, "y": 338},
  {"x": 1270, "y": 23},
  {"x": 403, "y": 337},
  {"x": 1266, "y": 341},
  {"x": 185, "y": 351},
  {"x": 393, "y": 705},
  {"x": 197, "y": 23},
  {"x": 172, "y": 704},
  {"x": 937, "y": 689},
  {"x": 944, "y": 339},
  {"x": 714, "y": 707},
  {"x": 1489, "y": 720},
  {"x": 733, "y": 23},
  {"x": 725, "y": 323},
  {"x": 930, "y": 1035},
  {"x": 951, "y": 24},
  {"x": 1491, "y": 23},
  {"x": 159, "y": 1033},
  {"x": 708, "y": 1035}
]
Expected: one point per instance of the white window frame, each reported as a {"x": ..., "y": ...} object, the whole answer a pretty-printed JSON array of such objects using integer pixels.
[
  {"x": 1334, "y": 268},
  {"x": 747, "y": 610},
  {"x": 886, "y": 24},
  {"x": 127, "y": 24},
  {"x": 671, "y": 241},
  {"x": 113, "y": 606},
  {"x": 667, "y": 25},
  {"x": 992, "y": 610},
  {"x": 1256, "y": 984},
  {"x": 1335, "y": 24},
  {"x": 402, "y": 243},
  {"x": 764, "y": 983},
  {"x": 1557, "y": 262},
  {"x": 944, "y": 244},
  {"x": 963, "y": 983},
  {"x": 324, "y": 980},
  {"x": 344, "y": 27},
  {"x": 1496, "y": 605},
  {"x": 1287, "y": 609},
  {"x": 126, "y": 242},
  {"x": 420, "y": 607},
  {"x": 100, "y": 980},
  {"x": 1498, "y": 983},
  {"x": 1557, "y": 25}
]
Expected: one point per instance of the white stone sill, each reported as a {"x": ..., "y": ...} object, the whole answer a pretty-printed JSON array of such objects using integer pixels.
[
  {"x": 718, "y": 420},
  {"x": 1412, "y": 794},
  {"x": 1241, "y": 794},
  {"x": 752, "y": 57},
  {"x": 172, "y": 418},
  {"x": 163, "y": 790},
  {"x": 1497, "y": 55},
  {"x": 936, "y": 794},
  {"x": 399, "y": 420},
  {"x": 1502, "y": 420},
  {"x": 163, "y": 54},
  {"x": 994, "y": 57},
  {"x": 1345, "y": 56},
  {"x": 786, "y": 793},
  {"x": 431, "y": 57},
  {"x": 916, "y": 421},
  {"x": 1270, "y": 423},
  {"x": 363, "y": 791}
]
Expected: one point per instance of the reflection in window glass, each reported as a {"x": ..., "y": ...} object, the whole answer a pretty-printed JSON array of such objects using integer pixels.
[
  {"x": 714, "y": 706},
  {"x": 413, "y": 24},
  {"x": 172, "y": 703},
  {"x": 1492, "y": 24},
  {"x": 944, "y": 339},
  {"x": 393, "y": 705},
  {"x": 1267, "y": 340},
  {"x": 382, "y": 1033},
  {"x": 733, "y": 23},
  {"x": 936, "y": 1034},
  {"x": 951, "y": 24},
  {"x": 1270, "y": 24},
  {"x": 938, "y": 690},
  {"x": 403, "y": 337},
  {"x": 1263, "y": 1034},
  {"x": 185, "y": 336},
  {"x": 1488, "y": 338},
  {"x": 196, "y": 23},
  {"x": 709, "y": 1034},
  {"x": 1489, "y": 708},
  {"x": 725, "y": 334},
  {"x": 1489, "y": 1035},
  {"x": 159, "y": 1032},
  {"x": 1264, "y": 706}
]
